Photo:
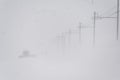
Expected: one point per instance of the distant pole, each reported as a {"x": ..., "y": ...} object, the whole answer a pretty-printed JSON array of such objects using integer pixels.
[
  {"x": 92, "y": 1},
  {"x": 117, "y": 19},
  {"x": 70, "y": 36},
  {"x": 63, "y": 38},
  {"x": 80, "y": 25},
  {"x": 94, "y": 28}
]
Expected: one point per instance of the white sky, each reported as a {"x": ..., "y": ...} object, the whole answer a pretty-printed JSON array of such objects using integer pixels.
[{"x": 36, "y": 22}]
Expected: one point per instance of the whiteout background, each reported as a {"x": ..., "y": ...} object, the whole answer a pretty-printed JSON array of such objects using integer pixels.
[{"x": 34, "y": 25}]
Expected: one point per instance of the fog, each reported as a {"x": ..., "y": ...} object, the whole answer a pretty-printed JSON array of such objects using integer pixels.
[{"x": 53, "y": 40}]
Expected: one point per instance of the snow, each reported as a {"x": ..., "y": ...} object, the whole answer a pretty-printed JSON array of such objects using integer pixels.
[{"x": 35, "y": 43}]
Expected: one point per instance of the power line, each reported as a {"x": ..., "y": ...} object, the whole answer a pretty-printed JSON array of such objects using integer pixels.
[
  {"x": 108, "y": 11},
  {"x": 114, "y": 13},
  {"x": 101, "y": 17}
]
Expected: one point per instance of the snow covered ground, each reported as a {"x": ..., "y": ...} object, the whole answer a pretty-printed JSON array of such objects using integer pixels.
[{"x": 91, "y": 63}]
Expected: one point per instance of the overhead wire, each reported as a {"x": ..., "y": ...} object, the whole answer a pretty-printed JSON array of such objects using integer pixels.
[
  {"x": 114, "y": 13},
  {"x": 108, "y": 11}
]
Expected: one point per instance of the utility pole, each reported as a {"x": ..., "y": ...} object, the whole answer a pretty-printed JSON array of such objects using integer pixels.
[
  {"x": 99, "y": 17},
  {"x": 63, "y": 42},
  {"x": 80, "y": 26},
  {"x": 117, "y": 19},
  {"x": 69, "y": 36},
  {"x": 92, "y": 1},
  {"x": 94, "y": 28}
]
